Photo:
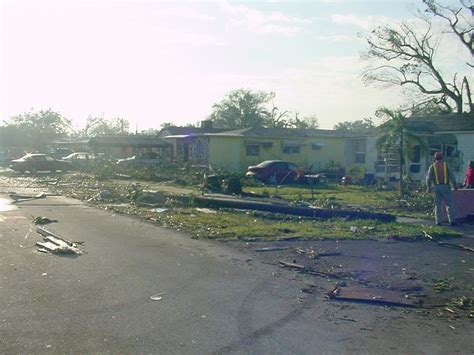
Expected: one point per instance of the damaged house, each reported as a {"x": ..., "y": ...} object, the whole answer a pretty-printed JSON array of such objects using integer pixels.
[
  {"x": 453, "y": 135},
  {"x": 235, "y": 150}
]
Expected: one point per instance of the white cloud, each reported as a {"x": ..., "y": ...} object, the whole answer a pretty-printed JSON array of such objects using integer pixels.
[
  {"x": 259, "y": 22},
  {"x": 364, "y": 22}
]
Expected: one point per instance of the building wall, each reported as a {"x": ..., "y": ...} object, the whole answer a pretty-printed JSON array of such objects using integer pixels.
[
  {"x": 232, "y": 153},
  {"x": 224, "y": 153}
]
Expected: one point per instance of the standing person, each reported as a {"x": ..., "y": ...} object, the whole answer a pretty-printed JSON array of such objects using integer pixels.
[
  {"x": 469, "y": 180},
  {"x": 440, "y": 174}
]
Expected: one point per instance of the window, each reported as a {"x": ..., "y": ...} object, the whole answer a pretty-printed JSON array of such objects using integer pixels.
[
  {"x": 448, "y": 150},
  {"x": 415, "y": 159},
  {"x": 252, "y": 150},
  {"x": 317, "y": 146},
  {"x": 359, "y": 149},
  {"x": 359, "y": 158},
  {"x": 291, "y": 149}
]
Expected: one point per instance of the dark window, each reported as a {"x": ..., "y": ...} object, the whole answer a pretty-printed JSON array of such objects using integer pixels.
[
  {"x": 252, "y": 150},
  {"x": 291, "y": 149},
  {"x": 360, "y": 158}
]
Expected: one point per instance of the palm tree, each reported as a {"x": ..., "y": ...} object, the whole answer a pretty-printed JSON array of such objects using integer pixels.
[{"x": 394, "y": 132}]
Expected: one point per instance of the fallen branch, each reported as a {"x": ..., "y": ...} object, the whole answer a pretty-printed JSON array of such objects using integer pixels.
[{"x": 457, "y": 246}]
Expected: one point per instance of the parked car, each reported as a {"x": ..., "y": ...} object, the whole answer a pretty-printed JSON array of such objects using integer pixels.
[
  {"x": 39, "y": 162},
  {"x": 81, "y": 159},
  {"x": 277, "y": 171},
  {"x": 144, "y": 159}
]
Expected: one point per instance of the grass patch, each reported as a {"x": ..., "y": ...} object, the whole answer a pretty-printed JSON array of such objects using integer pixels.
[
  {"x": 415, "y": 204},
  {"x": 243, "y": 225}
]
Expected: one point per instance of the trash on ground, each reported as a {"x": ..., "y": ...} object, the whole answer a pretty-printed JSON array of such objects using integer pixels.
[
  {"x": 292, "y": 265},
  {"x": 159, "y": 210},
  {"x": 265, "y": 249},
  {"x": 22, "y": 198},
  {"x": 372, "y": 296},
  {"x": 354, "y": 229},
  {"x": 55, "y": 244},
  {"x": 206, "y": 210},
  {"x": 157, "y": 297},
  {"x": 43, "y": 220}
]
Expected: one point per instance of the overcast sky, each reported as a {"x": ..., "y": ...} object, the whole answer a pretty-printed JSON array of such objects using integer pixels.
[{"x": 169, "y": 61}]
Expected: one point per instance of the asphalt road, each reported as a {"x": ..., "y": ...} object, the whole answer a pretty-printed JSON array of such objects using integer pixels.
[{"x": 214, "y": 299}]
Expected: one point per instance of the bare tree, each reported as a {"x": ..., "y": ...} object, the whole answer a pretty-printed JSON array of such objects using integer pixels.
[
  {"x": 404, "y": 55},
  {"x": 460, "y": 22}
]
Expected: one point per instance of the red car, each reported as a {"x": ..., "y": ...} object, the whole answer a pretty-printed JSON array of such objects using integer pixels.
[{"x": 276, "y": 171}]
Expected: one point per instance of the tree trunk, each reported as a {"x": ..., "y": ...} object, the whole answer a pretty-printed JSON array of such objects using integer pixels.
[{"x": 401, "y": 162}]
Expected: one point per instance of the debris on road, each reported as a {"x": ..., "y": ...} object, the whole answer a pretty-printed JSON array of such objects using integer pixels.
[
  {"x": 157, "y": 297},
  {"x": 43, "y": 220},
  {"x": 265, "y": 249},
  {"x": 17, "y": 198},
  {"x": 55, "y": 244},
  {"x": 292, "y": 265},
  {"x": 456, "y": 246},
  {"x": 372, "y": 296}
]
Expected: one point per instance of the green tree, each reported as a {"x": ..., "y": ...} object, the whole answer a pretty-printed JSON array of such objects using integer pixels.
[
  {"x": 406, "y": 55},
  {"x": 99, "y": 126},
  {"x": 36, "y": 129},
  {"x": 394, "y": 132},
  {"x": 358, "y": 126},
  {"x": 242, "y": 108}
]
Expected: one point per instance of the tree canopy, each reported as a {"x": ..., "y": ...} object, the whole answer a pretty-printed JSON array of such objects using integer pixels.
[
  {"x": 241, "y": 109},
  {"x": 359, "y": 126},
  {"x": 99, "y": 126},
  {"x": 406, "y": 55},
  {"x": 244, "y": 108},
  {"x": 33, "y": 130}
]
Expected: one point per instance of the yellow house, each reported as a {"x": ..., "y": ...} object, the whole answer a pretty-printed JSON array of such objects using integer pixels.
[{"x": 235, "y": 150}]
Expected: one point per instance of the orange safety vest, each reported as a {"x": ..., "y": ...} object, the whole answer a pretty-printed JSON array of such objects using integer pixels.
[{"x": 444, "y": 173}]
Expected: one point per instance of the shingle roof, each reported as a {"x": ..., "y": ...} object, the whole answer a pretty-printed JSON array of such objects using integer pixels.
[{"x": 445, "y": 123}]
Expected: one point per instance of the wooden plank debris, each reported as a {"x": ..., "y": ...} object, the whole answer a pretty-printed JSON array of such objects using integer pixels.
[
  {"x": 265, "y": 249},
  {"x": 56, "y": 244},
  {"x": 374, "y": 296}
]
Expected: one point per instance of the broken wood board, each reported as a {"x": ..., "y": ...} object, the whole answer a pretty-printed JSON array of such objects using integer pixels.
[
  {"x": 46, "y": 233},
  {"x": 56, "y": 244},
  {"x": 372, "y": 296},
  {"x": 265, "y": 249}
]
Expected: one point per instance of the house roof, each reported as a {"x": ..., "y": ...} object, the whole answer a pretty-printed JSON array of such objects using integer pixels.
[
  {"x": 270, "y": 133},
  {"x": 136, "y": 140},
  {"x": 286, "y": 133},
  {"x": 442, "y": 123},
  {"x": 184, "y": 131}
]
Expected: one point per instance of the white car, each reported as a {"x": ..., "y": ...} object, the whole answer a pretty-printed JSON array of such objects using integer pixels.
[{"x": 81, "y": 159}]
